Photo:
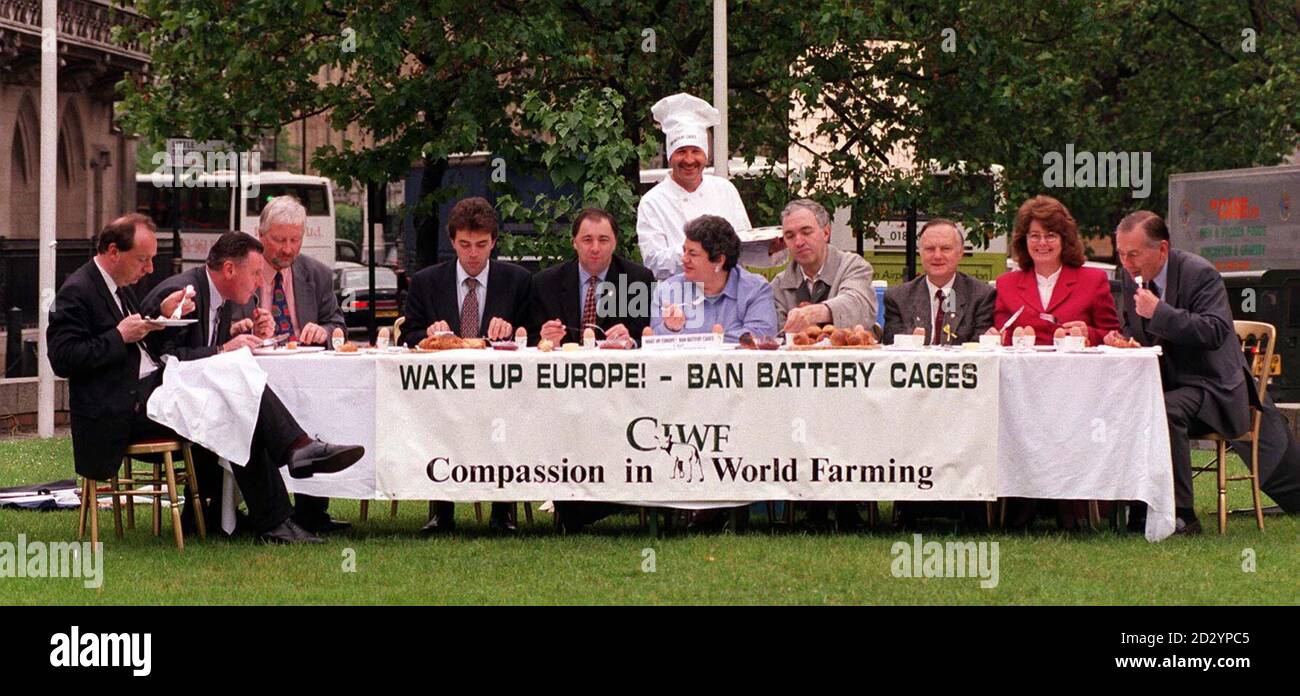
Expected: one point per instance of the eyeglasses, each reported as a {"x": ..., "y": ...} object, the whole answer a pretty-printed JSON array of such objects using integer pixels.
[{"x": 1049, "y": 238}]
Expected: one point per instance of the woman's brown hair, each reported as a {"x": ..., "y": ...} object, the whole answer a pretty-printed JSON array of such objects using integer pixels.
[{"x": 1053, "y": 216}]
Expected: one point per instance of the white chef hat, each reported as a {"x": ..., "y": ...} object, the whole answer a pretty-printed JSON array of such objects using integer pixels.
[{"x": 685, "y": 120}]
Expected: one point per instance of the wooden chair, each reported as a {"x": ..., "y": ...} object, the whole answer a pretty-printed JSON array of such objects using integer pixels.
[
  {"x": 365, "y": 510},
  {"x": 1257, "y": 338},
  {"x": 131, "y": 485}
]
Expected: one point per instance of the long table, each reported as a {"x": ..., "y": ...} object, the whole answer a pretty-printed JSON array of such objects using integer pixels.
[{"x": 706, "y": 426}]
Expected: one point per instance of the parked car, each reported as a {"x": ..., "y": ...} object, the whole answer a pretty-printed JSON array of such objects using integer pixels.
[
  {"x": 347, "y": 250},
  {"x": 352, "y": 287}
]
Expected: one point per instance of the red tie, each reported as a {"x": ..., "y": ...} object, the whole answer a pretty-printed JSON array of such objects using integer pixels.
[
  {"x": 936, "y": 338},
  {"x": 469, "y": 310},
  {"x": 589, "y": 304}
]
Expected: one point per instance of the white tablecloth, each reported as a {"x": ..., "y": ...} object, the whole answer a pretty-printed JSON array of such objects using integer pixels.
[{"x": 1072, "y": 426}]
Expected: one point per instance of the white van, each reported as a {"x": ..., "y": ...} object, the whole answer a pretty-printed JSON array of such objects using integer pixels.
[{"x": 208, "y": 208}]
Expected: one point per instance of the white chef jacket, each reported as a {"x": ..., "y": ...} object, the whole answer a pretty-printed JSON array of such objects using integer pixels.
[{"x": 664, "y": 210}]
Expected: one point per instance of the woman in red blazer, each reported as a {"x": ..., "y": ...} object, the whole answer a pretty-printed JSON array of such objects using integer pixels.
[{"x": 1045, "y": 243}]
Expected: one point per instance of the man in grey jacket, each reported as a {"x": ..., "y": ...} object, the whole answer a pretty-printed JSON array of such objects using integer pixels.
[
  {"x": 1182, "y": 306},
  {"x": 950, "y": 306},
  {"x": 298, "y": 291},
  {"x": 822, "y": 285}
]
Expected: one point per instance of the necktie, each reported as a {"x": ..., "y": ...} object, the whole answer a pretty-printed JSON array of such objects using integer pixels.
[
  {"x": 128, "y": 308},
  {"x": 220, "y": 325},
  {"x": 280, "y": 307},
  {"x": 589, "y": 304},
  {"x": 936, "y": 338},
  {"x": 1155, "y": 289},
  {"x": 812, "y": 292},
  {"x": 469, "y": 320}
]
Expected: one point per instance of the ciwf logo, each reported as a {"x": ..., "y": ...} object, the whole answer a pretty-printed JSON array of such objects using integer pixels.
[{"x": 682, "y": 443}]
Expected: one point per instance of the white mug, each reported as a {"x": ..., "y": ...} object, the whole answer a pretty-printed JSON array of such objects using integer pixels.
[
  {"x": 1071, "y": 343},
  {"x": 908, "y": 340}
]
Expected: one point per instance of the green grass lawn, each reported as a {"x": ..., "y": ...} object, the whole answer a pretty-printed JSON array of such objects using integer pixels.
[{"x": 394, "y": 565}]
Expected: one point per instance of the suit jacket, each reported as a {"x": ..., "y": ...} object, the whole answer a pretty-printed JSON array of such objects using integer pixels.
[
  {"x": 191, "y": 342},
  {"x": 556, "y": 295},
  {"x": 852, "y": 300},
  {"x": 432, "y": 298},
  {"x": 1193, "y": 327},
  {"x": 103, "y": 372},
  {"x": 973, "y": 309},
  {"x": 313, "y": 296},
  {"x": 1081, "y": 294}
]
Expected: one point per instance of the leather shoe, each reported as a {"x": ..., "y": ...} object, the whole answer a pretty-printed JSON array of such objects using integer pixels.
[
  {"x": 502, "y": 523},
  {"x": 567, "y": 528},
  {"x": 318, "y": 457},
  {"x": 1187, "y": 526},
  {"x": 438, "y": 524},
  {"x": 328, "y": 525},
  {"x": 289, "y": 533},
  {"x": 569, "y": 520}
]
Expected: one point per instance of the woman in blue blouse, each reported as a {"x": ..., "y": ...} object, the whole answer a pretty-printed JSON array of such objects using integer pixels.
[{"x": 712, "y": 289}]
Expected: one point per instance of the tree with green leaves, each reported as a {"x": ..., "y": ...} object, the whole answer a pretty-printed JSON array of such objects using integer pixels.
[
  {"x": 561, "y": 91},
  {"x": 427, "y": 80}
]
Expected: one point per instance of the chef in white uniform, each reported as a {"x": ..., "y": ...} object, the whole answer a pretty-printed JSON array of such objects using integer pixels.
[{"x": 688, "y": 192}]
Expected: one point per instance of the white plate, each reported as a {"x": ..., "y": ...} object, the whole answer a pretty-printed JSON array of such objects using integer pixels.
[
  {"x": 359, "y": 351},
  {"x": 1045, "y": 349},
  {"x": 173, "y": 322},
  {"x": 759, "y": 234},
  {"x": 277, "y": 350}
]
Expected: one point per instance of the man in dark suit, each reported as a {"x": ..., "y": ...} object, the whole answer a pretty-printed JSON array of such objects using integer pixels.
[
  {"x": 298, "y": 293},
  {"x": 1182, "y": 306},
  {"x": 99, "y": 341},
  {"x": 472, "y": 297},
  {"x": 951, "y": 308},
  {"x": 222, "y": 325},
  {"x": 598, "y": 287},
  {"x": 439, "y": 298},
  {"x": 958, "y": 306}
]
